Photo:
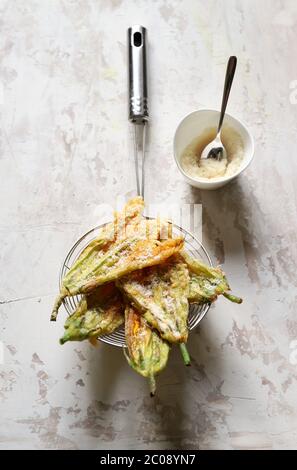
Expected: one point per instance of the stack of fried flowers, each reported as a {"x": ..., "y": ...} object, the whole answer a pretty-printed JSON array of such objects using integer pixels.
[{"x": 135, "y": 272}]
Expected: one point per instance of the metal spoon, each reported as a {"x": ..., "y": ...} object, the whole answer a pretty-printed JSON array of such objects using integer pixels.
[{"x": 215, "y": 149}]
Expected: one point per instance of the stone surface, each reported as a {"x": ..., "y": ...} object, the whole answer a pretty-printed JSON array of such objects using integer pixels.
[{"x": 64, "y": 150}]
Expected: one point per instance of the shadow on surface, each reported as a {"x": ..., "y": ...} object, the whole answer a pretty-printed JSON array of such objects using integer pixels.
[
  {"x": 226, "y": 216},
  {"x": 107, "y": 365},
  {"x": 177, "y": 418}
]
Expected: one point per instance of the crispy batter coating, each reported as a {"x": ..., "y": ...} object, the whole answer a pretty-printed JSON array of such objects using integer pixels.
[
  {"x": 106, "y": 259},
  {"x": 161, "y": 294},
  {"x": 206, "y": 283},
  {"x": 97, "y": 314},
  {"x": 147, "y": 352}
]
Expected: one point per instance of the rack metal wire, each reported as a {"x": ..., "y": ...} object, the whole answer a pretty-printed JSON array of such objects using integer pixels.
[{"x": 117, "y": 338}]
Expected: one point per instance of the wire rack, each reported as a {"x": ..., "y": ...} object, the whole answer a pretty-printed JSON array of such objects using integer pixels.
[{"x": 117, "y": 338}]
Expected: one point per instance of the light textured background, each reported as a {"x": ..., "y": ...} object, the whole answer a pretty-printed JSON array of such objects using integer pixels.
[{"x": 64, "y": 150}]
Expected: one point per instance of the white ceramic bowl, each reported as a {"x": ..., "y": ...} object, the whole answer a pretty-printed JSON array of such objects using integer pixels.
[{"x": 194, "y": 124}]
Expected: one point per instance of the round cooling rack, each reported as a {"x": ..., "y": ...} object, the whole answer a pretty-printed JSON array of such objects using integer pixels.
[{"x": 117, "y": 338}]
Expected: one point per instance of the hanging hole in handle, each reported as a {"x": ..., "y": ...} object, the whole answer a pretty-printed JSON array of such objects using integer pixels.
[{"x": 137, "y": 39}]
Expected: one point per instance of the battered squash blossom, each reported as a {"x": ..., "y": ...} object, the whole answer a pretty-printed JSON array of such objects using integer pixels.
[
  {"x": 147, "y": 352},
  {"x": 106, "y": 259},
  {"x": 97, "y": 314},
  {"x": 206, "y": 283},
  {"x": 161, "y": 294},
  {"x": 136, "y": 272}
]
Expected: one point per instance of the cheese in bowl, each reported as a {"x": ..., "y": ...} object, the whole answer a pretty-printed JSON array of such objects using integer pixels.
[{"x": 211, "y": 168}]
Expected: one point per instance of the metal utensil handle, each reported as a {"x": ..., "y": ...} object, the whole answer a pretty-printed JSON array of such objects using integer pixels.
[
  {"x": 231, "y": 67},
  {"x": 138, "y": 96}
]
